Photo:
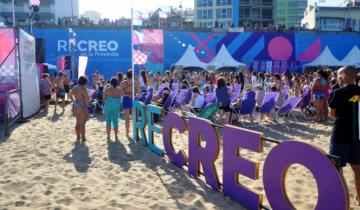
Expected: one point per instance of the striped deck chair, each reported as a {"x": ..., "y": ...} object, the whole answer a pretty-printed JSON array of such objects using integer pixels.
[
  {"x": 142, "y": 96},
  {"x": 288, "y": 107},
  {"x": 209, "y": 99},
  {"x": 235, "y": 93},
  {"x": 268, "y": 104},
  {"x": 149, "y": 96},
  {"x": 305, "y": 105},
  {"x": 247, "y": 106},
  {"x": 180, "y": 98},
  {"x": 187, "y": 99},
  {"x": 161, "y": 89}
]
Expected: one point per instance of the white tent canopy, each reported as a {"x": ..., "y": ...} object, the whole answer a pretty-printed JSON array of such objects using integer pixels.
[
  {"x": 326, "y": 58},
  {"x": 353, "y": 57},
  {"x": 224, "y": 59},
  {"x": 189, "y": 59}
]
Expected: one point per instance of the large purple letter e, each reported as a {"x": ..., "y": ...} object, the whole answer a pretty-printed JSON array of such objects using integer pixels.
[{"x": 234, "y": 164}]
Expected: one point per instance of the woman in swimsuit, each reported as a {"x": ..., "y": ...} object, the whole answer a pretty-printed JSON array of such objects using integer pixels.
[
  {"x": 126, "y": 88},
  {"x": 112, "y": 107},
  {"x": 80, "y": 98},
  {"x": 319, "y": 91}
]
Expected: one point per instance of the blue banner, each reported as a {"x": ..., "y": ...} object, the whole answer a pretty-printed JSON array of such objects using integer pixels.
[{"x": 108, "y": 51}]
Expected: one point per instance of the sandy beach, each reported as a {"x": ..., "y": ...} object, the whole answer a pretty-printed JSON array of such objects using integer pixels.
[{"x": 43, "y": 167}]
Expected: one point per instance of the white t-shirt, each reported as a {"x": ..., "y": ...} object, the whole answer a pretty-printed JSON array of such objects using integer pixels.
[{"x": 199, "y": 101}]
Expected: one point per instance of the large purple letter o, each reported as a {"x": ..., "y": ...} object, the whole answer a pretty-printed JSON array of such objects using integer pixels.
[{"x": 331, "y": 188}]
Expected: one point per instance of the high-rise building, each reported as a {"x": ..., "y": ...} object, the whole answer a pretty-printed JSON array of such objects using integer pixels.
[
  {"x": 341, "y": 18},
  {"x": 225, "y": 13},
  {"x": 49, "y": 11},
  {"x": 289, "y": 12}
]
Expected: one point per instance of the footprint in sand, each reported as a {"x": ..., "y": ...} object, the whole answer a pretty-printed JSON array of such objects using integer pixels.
[
  {"x": 79, "y": 192},
  {"x": 65, "y": 201},
  {"x": 19, "y": 203}
]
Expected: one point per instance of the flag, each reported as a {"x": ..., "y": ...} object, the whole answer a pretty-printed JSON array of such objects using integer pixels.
[
  {"x": 137, "y": 18},
  {"x": 139, "y": 57},
  {"x": 162, "y": 15},
  {"x": 34, "y": 3}
]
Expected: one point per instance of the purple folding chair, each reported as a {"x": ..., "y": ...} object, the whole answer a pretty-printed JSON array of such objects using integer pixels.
[
  {"x": 142, "y": 96},
  {"x": 305, "y": 105},
  {"x": 188, "y": 97},
  {"x": 161, "y": 89},
  {"x": 149, "y": 96},
  {"x": 209, "y": 99},
  {"x": 288, "y": 106},
  {"x": 268, "y": 104},
  {"x": 247, "y": 106},
  {"x": 169, "y": 101},
  {"x": 180, "y": 98},
  {"x": 236, "y": 89},
  {"x": 175, "y": 87}
]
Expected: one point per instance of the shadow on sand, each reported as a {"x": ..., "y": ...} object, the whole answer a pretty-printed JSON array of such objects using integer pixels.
[
  {"x": 116, "y": 152},
  {"x": 79, "y": 156},
  {"x": 184, "y": 182}
]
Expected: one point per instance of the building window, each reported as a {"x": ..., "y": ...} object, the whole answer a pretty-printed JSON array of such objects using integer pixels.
[
  {"x": 205, "y": 14},
  {"x": 223, "y": 13},
  {"x": 205, "y": 3},
  {"x": 223, "y": 2}
]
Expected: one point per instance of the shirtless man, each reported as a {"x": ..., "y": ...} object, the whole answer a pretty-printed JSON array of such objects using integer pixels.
[
  {"x": 60, "y": 91},
  {"x": 126, "y": 88},
  {"x": 80, "y": 98}
]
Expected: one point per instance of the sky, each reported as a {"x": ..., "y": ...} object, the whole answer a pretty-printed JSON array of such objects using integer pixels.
[{"x": 114, "y": 9}]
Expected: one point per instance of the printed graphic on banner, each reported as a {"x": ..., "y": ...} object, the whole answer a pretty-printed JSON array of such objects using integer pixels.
[
  {"x": 149, "y": 45},
  {"x": 13, "y": 104},
  {"x": 8, "y": 68}
]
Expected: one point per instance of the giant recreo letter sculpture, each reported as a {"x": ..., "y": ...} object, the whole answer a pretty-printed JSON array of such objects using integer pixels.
[{"x": 331, "y": 188}]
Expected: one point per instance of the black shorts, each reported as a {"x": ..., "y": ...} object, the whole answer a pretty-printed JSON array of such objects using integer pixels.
[
  {"x": 225, "y": 108},
  {"x": 348, "y": 153},
  {"x": 47, "y": 97},
  {"x": 67, "y": 88}
]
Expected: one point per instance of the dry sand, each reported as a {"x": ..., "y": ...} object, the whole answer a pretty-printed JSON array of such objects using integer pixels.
[{"x": 43, "y": 167}]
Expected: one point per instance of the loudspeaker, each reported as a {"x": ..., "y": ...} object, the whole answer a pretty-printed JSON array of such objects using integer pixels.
[{"x": 40, "y": 50}]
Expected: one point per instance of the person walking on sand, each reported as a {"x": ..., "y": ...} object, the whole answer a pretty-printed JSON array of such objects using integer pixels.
[
  {"x": 344, "y": 107},
  {"x": 80, "y": 98},
  {"x": 126, "y": 88},
  {"x": 112, "y": 96},
  {"x": 60, "y": 90}
]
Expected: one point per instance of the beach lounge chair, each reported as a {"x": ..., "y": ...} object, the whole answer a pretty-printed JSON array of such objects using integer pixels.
[
  {"x": 209, "y": 99},
  {"x": 209, "y": 112},
  {"x": 149, "y": 96},
  {"x": 180, "y": 98},
  {"x": 288, "y": 107},
  {"x": 305, "y": 106},
  {"x": 247, "y": 106},
  {"x": 235, "y": 93},
  {"x": 169, "y": 101},
  {"x": 268, "y": 104},
  {"x": 187, "y": 99},
  {"x": 161, "y": 89}
]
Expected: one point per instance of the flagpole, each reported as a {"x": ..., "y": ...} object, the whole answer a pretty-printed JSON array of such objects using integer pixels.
[
  {"x": 132, "y": 55},
  {"x": 13, "y": 13}
]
